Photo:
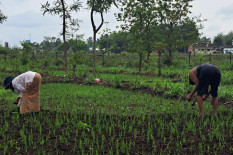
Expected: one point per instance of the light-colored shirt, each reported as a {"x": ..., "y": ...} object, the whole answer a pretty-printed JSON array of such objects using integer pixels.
[{"x": 20, "y": 82}]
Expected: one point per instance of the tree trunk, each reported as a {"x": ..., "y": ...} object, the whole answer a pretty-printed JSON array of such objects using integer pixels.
[
  {"x": 194, "y": 56},
  {"x": 210, "y": 57},
  {"x": 159, "y": 64},
  {"x": 189, "y": 58},
  {"x": 148, "y": 51},
  {"x": 140, "y": 52},
  {"x": 33, "y": 56},
  {"x": 5, "y": 58},
  {"x": 94, "y": 54},
  {"x": 94, "y": 38},
  {"x": 74, "y": 69},
  {"x": 140, "y": 63},
  {"x": 230, "y": 57},
  {"x": 170, "y": 61},
  {"x": 148, "y": 57},
  {"x": 64, "y": 36},
  {"x": 103, "y": 58},
  {"x": 170, "y": 57}
]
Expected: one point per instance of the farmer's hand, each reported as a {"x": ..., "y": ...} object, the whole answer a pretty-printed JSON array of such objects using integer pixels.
[
  {"x": 17, "y": 100},
  {"x": 204, "y": 97},
  {"x": 189, "y": 97}
]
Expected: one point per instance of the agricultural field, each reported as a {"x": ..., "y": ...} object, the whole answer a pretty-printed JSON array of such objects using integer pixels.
[{"x": 126, "y": 113}]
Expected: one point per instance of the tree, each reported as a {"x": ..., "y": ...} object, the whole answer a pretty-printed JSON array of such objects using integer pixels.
[
  {"x": 205, "y": 40},
  {"x": 77, "y": 45},
  {"x": 187, "y": 34},
  {"x": 228, "y": 39},
  {"x": 64, "y": 11},
  {"x": 77, "y": 58},
  {"x": 116, "y": 42},
  {"x": 89, "y": 42},
  {"x": 172, "y": 13},
  {"x": 98, "y": 6},
  {"x": 2, "y": 50},
  {"x": 138, "y": 16},
  {"x": 48, "y": 43},
  {"x": 2, "y": 17},
  {"x": 27, "y": 49},
  {"x": 103, "y": 43},
  {"x": 218, "y": 40}
]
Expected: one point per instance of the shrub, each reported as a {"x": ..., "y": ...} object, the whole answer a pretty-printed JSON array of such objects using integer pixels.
[
  {"x": 24, "y": 60},
  {"x": 58, "y": 62}
]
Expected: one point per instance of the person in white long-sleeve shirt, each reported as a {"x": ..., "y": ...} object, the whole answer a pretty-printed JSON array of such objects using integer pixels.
[{"x": 27, "y": 85}]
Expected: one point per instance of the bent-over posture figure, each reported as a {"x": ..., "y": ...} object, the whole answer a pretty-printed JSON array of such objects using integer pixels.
[
  {"x": 27, "y": 85},
  {"x": 202, "y": 77}
]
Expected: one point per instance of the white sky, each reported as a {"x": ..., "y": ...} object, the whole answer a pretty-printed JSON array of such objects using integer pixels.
[{"x": 26, "y": 21}]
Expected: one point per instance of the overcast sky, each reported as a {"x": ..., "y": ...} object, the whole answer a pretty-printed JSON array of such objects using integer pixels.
[{"x": 26, "y": 21}]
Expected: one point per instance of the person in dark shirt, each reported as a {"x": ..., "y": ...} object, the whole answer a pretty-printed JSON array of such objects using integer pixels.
[{"x": 202, "y": 77}]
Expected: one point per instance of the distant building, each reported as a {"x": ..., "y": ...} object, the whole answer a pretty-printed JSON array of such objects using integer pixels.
[
  {"x": 228, "y": 50},
  {"x": 207, "y": 48}
]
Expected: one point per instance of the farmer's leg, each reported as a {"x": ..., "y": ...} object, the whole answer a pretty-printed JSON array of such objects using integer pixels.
[
  {"x": 200, "y": 104},
  {"x": 215, "y": 105},
  {"x": 214, "y": 92}
]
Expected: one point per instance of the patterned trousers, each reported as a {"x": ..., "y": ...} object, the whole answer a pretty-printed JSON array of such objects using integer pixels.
[{"x": 31, "y": 96}]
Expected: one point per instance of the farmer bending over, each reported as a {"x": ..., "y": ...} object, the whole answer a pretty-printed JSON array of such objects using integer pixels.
[
  {"x": 27, "y": 85},
  {"x": 202, "y": 76}
]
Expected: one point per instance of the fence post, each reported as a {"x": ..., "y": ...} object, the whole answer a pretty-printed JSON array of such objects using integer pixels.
[
  {"x": 210, "y": 57},
  {"x": 194, "y": 57},
  {"x": 230, "y": 57},
  {"x": 189, "y": 57},
  {"x": 5, "y": 58}
]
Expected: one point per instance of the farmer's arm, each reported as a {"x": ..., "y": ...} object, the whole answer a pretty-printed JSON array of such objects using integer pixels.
[
  {"x": 194, "y": 78},
  {"x": 18, "y": 89},
  {"x": 17, "y": 100}
]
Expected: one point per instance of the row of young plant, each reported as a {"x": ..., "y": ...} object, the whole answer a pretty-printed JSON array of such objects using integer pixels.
[
  {"x": 178, "y": 86},
  {"x": 94, "y": 119}
]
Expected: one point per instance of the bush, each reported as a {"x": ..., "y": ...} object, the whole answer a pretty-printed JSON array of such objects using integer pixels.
[
  {"x": 24, "y": 60},
  {"x": 89, "y": 78},
  {"x": 58, "y": 62},
  {"x": 46, "y": 63}
]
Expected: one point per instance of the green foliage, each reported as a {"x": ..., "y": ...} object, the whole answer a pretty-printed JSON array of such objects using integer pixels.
[
  {"x": 51, "y": 44},
  {"x": 160, "y": 46},
  {"x": 77, "y": 57},
  {"x": 24, "y": 60},
  {"x": 82, "y": 125},
  {"x": 27, "y": 48},
  {"x": 223, "y": 40},
  {"x": 3, "y": 50},
  {"x": 58, "y": 62},
  {"x": 205, "y": 40},
  {"x": 115, "y": 115},
  {"x": 100, "y": 6},
  {"x": 77, "y": 45},
  {"x": 171, "y": 14},
  {"x": 218, "y": 40},
  {"x": 89, "y": 78},
  {"x": 2, "y": 17},
  {"x": 115, "y": 42}
]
